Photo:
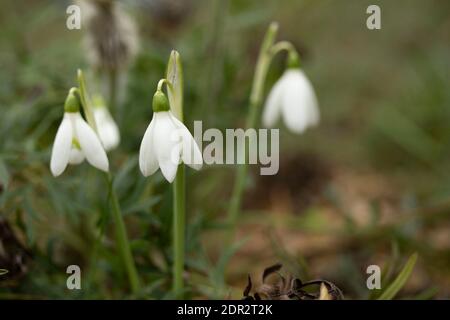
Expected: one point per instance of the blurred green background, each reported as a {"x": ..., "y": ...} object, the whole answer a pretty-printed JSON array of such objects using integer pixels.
[{"x": 369, "y": 185}]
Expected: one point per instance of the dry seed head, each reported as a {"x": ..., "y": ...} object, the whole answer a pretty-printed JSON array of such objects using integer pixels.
[
  {"x": 111, "y": 36},
  {"x": 289, "y": 288}
]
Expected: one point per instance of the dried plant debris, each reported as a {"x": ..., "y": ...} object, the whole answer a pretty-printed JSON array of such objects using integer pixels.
[
  {"x": 290, "y": 288},
  {"x": 111, "y": 38}
]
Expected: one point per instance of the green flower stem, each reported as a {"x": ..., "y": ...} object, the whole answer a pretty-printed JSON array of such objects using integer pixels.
[
  {"x": 179, "y": 222},
  {"x": 282, "y": 45},
  {"x": 120, "y": 232},
  {"x": 165, "y": 82},
  {"x": 293, "y": 59},
  {"x": 265, "y": 57},
  {"x": 122, "y": 238},
  {"x": 85, "y": 100},
  {"x": 239, "y": 183},
  {"x": 179, "y": 213},
  {"x": 174, "y": 84},
  {"x": 179, "y": 217}
]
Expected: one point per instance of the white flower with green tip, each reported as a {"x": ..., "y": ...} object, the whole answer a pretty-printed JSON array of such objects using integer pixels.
[
  {"x": 75, "y": 140},
  {"x": 167, "y": 142},
  {"x": 293, "y": 98},
  {"x": 107, "y": 129}
]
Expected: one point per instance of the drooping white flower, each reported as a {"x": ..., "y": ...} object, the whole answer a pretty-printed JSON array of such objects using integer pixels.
[
  {"x": 107, "y": 128},
  {"x": 167, "y": 142},
  {"x": 75, "y": 140},
  {"x": 294, "y": 98}
]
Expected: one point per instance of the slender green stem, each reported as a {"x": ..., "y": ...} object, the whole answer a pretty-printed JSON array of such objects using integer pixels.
[
  {"x": 241, "y": 175},
  {"x": 169, "y": 85},
  {"x": 256, "y": 96},
  {"x": 175, "y": 90},
  {"x": 85, "y": 100},
  {"x": 179, "y": 222},
  {"x": 122, "y": 238},
  {"x": 280, "y": 46},
  {"x": 121, "y": 232}
]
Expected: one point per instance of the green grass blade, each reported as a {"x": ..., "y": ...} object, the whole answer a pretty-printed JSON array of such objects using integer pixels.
[{"x": 401, "y": 279}]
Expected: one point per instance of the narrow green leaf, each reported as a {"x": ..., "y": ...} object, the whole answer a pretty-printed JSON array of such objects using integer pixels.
[
  {"x": 174, "y": 75},
  {"x": 30, "y": 217},
  {"x": 86, "y": 100},
  {"x": 4, "y": 175},
  {"x": 427, "y": 294},
  {"x": 3, "y": 271},
  {"x": 218, "y": 273},
  {"x": 400, "y": 280},
  {"x": 387, "y": 272},
  {"x": 143, "y": 205}
]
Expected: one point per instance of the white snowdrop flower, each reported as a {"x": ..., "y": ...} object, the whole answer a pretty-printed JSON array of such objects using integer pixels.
[
  {"x": 167, "y": 142},
  {"x": 293, "y": 97},
  {"x": 75, "y": 140},
  {"x": 107, "y": 128}
]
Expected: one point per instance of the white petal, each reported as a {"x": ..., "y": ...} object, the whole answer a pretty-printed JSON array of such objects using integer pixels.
[
  {"x": 294, "y": 112},
  {"x": 61, "y": 147},
  {"x": 76, "y": 156},
  {"x": 148, "y": 162},
  {"x": 190, "y": 153},
  {"x": 272, "y": 106},
  {"x": 299, "y": 103},
  {"x": 107, "y": 128},
  {"x": 168, "y": 149},
  {"x": 314, "y": 113},
  {"x": 310, "y": 99},
  {"x": 90, "y": 144}
]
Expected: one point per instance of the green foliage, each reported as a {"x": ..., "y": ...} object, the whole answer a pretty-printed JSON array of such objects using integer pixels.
[
  {"x": 392, "y": 290},
  {"x": 384, "y": 101}
]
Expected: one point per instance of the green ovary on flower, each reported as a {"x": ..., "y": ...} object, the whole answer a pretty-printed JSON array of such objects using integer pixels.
[
  {"x": 160, "y": 102},
  {"x": 72, "y": 103}
]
